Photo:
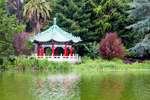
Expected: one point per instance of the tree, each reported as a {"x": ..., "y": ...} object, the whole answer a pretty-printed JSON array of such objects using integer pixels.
[
  {"x": 9, "y": 27},
  {"x": 35, "y": 10},
  {"x": 140, "y": 9},
  {"x": 141, "y": 49},
  {"x": 107, "y": 15},
  {"x": 16, "y": 8},
  {"x": 74, "y": 17},
  {"x": 110, "y": 16},
  {"x": 111, "y": 47},
  {"x": 21, "y": 44}
]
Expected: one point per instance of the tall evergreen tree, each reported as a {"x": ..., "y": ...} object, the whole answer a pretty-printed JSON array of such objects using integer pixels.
[
  {"x": 74, "y": 17},
  {"x": 140, "y": 9},
  {"x": 107, "y": 15}
]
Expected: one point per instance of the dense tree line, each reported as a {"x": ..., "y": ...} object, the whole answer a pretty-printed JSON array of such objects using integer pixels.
[
  {"x": 8, "y": 27},
  {"x": 89, "y": 19}
]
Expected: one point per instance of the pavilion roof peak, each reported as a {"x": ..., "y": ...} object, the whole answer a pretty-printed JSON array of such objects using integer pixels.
[{"x": 55, "y": 33}]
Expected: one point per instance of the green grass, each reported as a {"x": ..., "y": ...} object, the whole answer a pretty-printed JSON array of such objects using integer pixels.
[
  {"x": 87, "y": 64},
  {"x": 116, "y": 64}
]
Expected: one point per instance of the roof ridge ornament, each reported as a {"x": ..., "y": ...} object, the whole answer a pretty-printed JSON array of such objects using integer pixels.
[{"x": 54, "y": 21}]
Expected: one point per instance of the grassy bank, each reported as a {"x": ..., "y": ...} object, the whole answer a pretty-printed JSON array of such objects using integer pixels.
[
  {"x": 22, "y": 63},
  {"x": 108, "y": 65}
]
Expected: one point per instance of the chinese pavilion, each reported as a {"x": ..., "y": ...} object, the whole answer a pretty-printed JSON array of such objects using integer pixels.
[{"x": 53, "y": 38}]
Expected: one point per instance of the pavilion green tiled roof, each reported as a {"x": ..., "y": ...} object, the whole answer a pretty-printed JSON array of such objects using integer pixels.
[{"x": 55, "y": 33}]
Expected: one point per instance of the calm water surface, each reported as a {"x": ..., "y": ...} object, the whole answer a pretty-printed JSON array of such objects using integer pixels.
[{"x": 75, "y": 85}]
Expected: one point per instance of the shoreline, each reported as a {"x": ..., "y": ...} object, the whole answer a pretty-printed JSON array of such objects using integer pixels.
[{"x": 76, "y": 69}]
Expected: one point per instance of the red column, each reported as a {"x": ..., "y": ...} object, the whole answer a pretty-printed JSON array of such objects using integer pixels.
[
  {"x": 71, "y": 50},
  {"x": 65, "y": 49},
  {"x": 38, "y": 51},
  {"x": 53, "y": 49},
  {"x": 41, "y": 50}
]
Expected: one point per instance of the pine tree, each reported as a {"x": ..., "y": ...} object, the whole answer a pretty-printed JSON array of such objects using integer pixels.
[
  {"x": 141, "y": 49},
  {"x": 107, "y": 15},
  {"x": 74, "y": 17},
  {"x": 140, "y": 9}
]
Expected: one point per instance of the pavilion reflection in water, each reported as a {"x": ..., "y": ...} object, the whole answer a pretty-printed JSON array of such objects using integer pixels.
[{"x": 57, "y": 87}]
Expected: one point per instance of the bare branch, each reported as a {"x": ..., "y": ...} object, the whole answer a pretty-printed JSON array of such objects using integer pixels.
[{"x": 11, "y": 5}]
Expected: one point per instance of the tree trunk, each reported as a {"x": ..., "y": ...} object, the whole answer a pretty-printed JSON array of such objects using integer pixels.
[
  {"x": 37, "y": 27},
  {"x": 18, "y": 11},
  {"x": 36, "y": 31}
]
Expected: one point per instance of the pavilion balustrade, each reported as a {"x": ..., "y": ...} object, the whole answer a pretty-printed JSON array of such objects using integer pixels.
[{"x": 71, "y": 59}]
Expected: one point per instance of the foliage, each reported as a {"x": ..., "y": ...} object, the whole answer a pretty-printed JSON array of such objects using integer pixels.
[
  {"x": 65, "y": 65},
  {"x": 27, "y": 64},
  {"x": 128, "y": 55},
  {"x": 9, "y": 27},
  {"x": 49, "y": 51},
  {"x": 140, "y": 9},
  {"x": 20, "y": 62},
  {"x": 14, "y": 7},
  {"x": 115, "y": 64},
  {"x": 93, "y": 48},
  {"x": 6, "y": 64},
  {"x": 107, "y": 15},
  {"x": 85, "y": 58},
  {"x": 29, "y": 27},
  {"x": 34, "y": 62},
  {"x": 74, "y": 17},
  {"x": 111, "y": 47},
  {"x": 21, "y": 44},
  {"x": 35, "y": 10},
  {"x": 141, "y": 49},
  {"x": 110, "y": 16},
  {"x": 88, "y": 64}
]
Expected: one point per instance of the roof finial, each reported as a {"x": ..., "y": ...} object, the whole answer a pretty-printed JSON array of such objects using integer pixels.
[{"x": 54, "y": 21}]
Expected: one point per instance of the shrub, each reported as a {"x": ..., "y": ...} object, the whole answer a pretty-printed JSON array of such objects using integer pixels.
[
  {"x": 27, "y": 64},
  {"x": 46, "y": 63},
  {"x": 85, "y": 59},
  {"x": 111, "y": 47},
  {"x": 65, "y": 65},
  {"x": 93, "y": 48},
  {"x": 17, "y": 63},
  {"x": 53, "y": 65},
  {"x": 128, "y": 55},
  {"x": 22, "y": 45},
  {"x": 6, "y": 64}
]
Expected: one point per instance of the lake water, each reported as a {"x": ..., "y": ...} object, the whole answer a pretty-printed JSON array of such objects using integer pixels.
[{"x": 74, "y": 85}]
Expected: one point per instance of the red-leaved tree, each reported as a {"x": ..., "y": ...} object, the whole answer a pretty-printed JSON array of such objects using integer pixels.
[
  {"x": 111, "y": 47},
  {"x": 21, "y": 44}
]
